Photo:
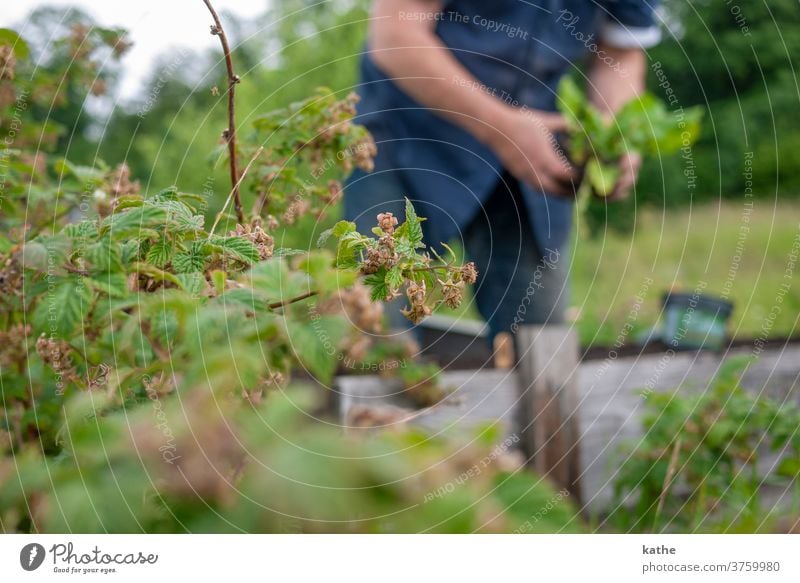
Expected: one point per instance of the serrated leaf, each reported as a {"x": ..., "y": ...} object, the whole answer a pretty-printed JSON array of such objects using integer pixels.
[
  {"x": 35, "y": 256},
  {"x": 131, "y": 222},
  {"x": 113, "y": 284},
  {"x": 63, "y": 307},
  {"x": 104, "y": 255},
  {"x": 377, "y": 284},
  {"x": 160, "y": 252},
  {"x": 413, "y": 227},
  {"x": 394, "y": 278},
  {"x": 315, "y": 344},
  {"x": 193, "y": 283},
  {"x": 189, "y": 261},
  {"x": 269, "y": 277},
  {"x": 238, "y": 247}
]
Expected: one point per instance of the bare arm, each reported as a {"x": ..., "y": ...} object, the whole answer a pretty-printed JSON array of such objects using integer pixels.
[
  {"x": 616, "y": 77},
  {"x": 404, "y": 45}
]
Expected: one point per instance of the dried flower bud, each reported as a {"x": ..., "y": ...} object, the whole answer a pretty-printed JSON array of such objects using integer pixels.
[
  {"x": 416, "y": 314},
  {"x": 8, "y": 63},
  {"x": 453, "y": 293},
  {"x": 263, "y": 242},
  {"x": 57, "y": 354},
  {"x": 469, "y": 273},
  {"x": 387, "y": 222},
  {"x": 416, "y": 293},
  {"x": 334, "y": 191}
]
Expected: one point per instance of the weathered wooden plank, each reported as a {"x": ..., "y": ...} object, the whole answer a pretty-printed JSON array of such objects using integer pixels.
[{"x": 547, "y": 365}]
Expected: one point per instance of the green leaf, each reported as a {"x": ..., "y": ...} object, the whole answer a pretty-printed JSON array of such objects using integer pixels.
[
  {"x": 132, "y": 222},
  {"x": 338, "y": 230},
  {"x": 189, "y": 261},
  {"x": 15, "y": 41},
  {"x": 394, "y": 277},
  {"x": 287, "y": 252},
  {"x": 412, "y": 227},
  {"x": 63, "y": 307},
  {"x": 193, "y": 283},
  {"x": 104, "y": 255},
  {"x": 270, "y": 277},
  {"x": 113, "y": 284},
  {"x": 238, "y": 247},
  {"x": 316, "y": 344},
  {"x": 377, "y": 284},
  {"x": 602, "y": 177},
  {"x": 160, "y": 252},
  {"x": 35, "y": 256}
]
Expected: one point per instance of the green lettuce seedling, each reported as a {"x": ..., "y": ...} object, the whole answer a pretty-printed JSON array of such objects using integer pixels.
[{"x": 597, "y": 142}]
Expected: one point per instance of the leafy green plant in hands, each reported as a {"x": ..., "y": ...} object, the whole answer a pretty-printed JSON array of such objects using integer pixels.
[
  {"x": 696, "y": 467},
  {"x": 597, "y": 142}
]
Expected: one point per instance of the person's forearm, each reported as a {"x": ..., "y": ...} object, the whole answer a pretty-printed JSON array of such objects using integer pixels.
[
  {"x": 403, "y": 44},
  {"x": 616, "y": 77}
]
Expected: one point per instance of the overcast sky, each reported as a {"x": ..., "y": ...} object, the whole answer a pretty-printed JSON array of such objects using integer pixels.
[{"x": 154, "y": 25}]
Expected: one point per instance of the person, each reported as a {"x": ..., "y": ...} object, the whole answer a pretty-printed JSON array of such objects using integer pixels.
[{"x": 460, "y": 97}]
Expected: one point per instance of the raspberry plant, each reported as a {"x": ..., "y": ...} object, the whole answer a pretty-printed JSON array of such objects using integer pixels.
[{"x": 145, "y": 347}]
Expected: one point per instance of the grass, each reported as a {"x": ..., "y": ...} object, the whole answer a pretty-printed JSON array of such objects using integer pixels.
[{"x": 747, "y": 261}]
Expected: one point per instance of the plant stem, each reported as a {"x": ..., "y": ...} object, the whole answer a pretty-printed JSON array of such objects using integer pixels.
[
  {"x": 234, "y": 191},
  {"x": 230, "y": 133},
  {"x": 305, "y": 296},
  {"x": 673, "y": 462}
]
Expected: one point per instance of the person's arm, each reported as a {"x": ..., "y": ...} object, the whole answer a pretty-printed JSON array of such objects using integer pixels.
[
  {"x": 619, "y": 68},
  {"x": 617, "y": 76},
  {"x": 403, "y": 44}
]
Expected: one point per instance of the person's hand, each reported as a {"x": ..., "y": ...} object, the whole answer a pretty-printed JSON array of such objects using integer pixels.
[
  {"x": 629, "y": 166},
  {"x": 524, "y": 141}
]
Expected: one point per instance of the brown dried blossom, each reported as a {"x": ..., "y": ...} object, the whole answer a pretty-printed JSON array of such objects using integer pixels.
[
  {"x": 295, "y": 210},
  {"x": 119, "y": 182},
  {"x": 11, "y": 278},
  {"x": 14, "y": 346},
  {"x": 453, "y": 293},
  {"x": 387, "y": 222},
  {"x": 256, "y": 235},
  {"x": 57, "y": 354},
  {"x": 334, "y": 193},
  {"x": 8, "y": 63},
  {"x": 417, "y": 311},
  {"x": 469, "y": 273}
]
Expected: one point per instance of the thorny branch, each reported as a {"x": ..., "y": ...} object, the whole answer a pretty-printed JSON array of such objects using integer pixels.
[{"x": 230, "y": 132}]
